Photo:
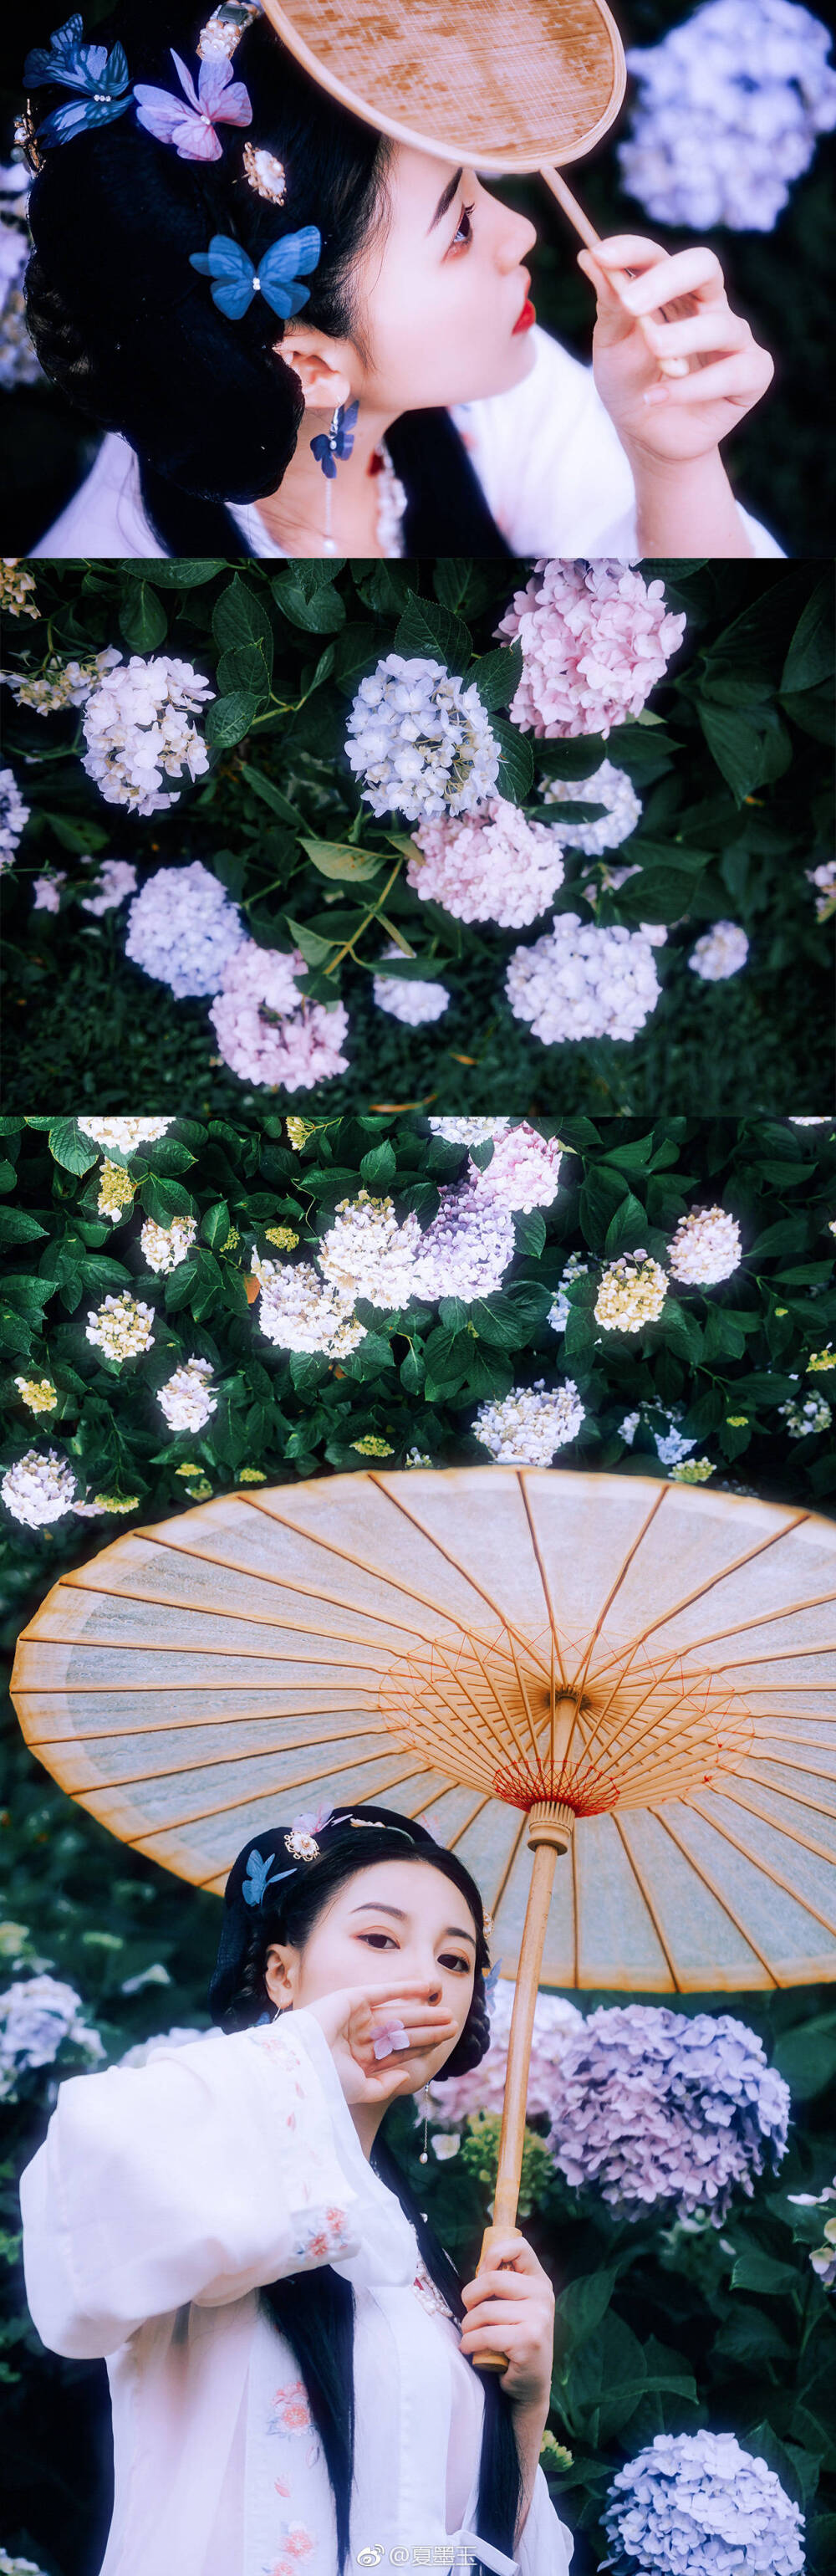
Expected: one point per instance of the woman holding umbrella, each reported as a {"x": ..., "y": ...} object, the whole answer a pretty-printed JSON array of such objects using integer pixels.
[{"x": 290, "y": 2351}]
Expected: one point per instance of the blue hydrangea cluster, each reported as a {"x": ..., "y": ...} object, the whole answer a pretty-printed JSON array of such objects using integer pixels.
[
  {"x": 697, "y": 2504},
  {"x": 651, "y": 2105}
]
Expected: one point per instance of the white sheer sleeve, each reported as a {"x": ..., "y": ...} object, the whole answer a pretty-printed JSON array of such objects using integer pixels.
[
  {"x": 545, "y": 2544},
  {"x": 211, "y": 2169}
]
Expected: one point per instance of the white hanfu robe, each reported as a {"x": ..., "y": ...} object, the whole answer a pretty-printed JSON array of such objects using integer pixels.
[{"x": 160, "y": 2199}]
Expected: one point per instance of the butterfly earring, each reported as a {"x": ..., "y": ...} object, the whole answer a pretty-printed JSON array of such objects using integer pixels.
[{"x": 330, "y": 447}]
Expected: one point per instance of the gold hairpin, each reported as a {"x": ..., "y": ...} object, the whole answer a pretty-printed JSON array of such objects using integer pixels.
[{"x": 265, "y": 173}]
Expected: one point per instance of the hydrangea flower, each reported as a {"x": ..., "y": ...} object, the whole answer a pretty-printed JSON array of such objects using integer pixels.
[
  {"x": 483, "y": 2089},
  {"x": 527, "y": 1426},
  {"x": 561, "y": 1308},
  {"x": 694, "y": 1471},
  {"x": 46, "y": 891},
  {"x": 125, "y": 1133},
  {"x": 299, "y": 1312},
  {"x": 183, "y": 928},
  {"x": 61, "y": 684},
  {"x": 122, "y": 1326},
  {"x": 579, "y": 980},
  {"x": 116, "y": 1191},
  {"x": 693, "y": 2501},
  {"x": 420, "y": 740},
  {"x": 730, "y": 106},
  {"x": 466, "y": 1250},
  {"x": 493, "y": 866},
  {"x": 631, "y": 1294},
  {"x": 115, "y": 880},
  {"x": 705, "y": 1247},
  {"x": 367, "y": 1253},
  {"x": 469, "y": 1131},
  {"x": 18, "y": 358},
  {"x": 36, "y": 2016},
  {"x": 165, "y": 1246},
  {"x": 37, "y": 1393},
  {"x": 823, "y": 2257},
  {"x": 39, "y": 1488},
  {"x": 802, "y": 1419},
  {"x": 720, "y": 952},
  {"x": 610, "y": 787},
  {"x": 411, "y": 999},
  {"x": 671, "y": 1445},
  {"x": 14, "y": 816},
  {"x": 824, "y": 878},
  {"x": 650, "y": 2106},
  {"x": 266, "y": 1030},
  {"x": 142, "y": 2049},
  {"x": 138, "y": 729},
  {"x": 595, "y": 639},
  {"x": 523, "y": 1169},
  {"x": 187, "y": 1398},
  {"x": 825, "y": 1359},
  {"x": 17, "y": 588}
]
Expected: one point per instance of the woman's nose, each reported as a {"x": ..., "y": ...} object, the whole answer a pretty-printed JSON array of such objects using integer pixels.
[
  {"x": 517, "y": 239},
  {"x": 434, "y": 1996}
]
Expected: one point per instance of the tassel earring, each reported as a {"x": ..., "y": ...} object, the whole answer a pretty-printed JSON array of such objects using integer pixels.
[
  {"x": 330, "y": 447},
  {"x": 423, "y": 2157}
]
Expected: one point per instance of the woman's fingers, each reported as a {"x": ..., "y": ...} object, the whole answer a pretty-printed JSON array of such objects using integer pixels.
[
  {"x": 744, "y": 376},
  {"x": 711, "y": 329},
  {"x": 687, "y": 272}
]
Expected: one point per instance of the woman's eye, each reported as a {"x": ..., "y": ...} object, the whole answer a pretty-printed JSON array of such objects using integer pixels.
[
  {"x": 465, "y": 230},
  {"x": 447, "y": 1962}
]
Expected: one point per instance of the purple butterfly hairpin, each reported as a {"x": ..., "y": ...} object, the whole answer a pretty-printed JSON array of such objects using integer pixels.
[{"x": 189, "y": 122}]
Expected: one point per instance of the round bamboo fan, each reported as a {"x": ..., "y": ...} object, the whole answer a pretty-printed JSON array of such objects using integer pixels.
[
  {"x": 641, "y": 1675},
  {"x": 500, "y": 85}
]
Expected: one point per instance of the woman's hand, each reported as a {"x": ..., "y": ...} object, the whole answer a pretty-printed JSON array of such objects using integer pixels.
[
  {"x": 512, "y": 2310},
  {"x": 355, "y": 2016},
  {"x": 670, "y": 419}
]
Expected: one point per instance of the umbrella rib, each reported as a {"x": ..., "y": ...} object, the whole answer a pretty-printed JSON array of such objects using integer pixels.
[
  {"x": 453, "y": 1561},
  {"x": 505, "y": 1874},
  {"x": 255, "y": 1503},
  {"x": 644, "y": 1891},
  {"x": 116, "y": 1736},
  {"x": 209, "y": 1815},
  {"x": 283, "y": 1582},
  {"x": 254, "y": 1656},
  {"x": 538, "y": 1558},
  {"x": 710, "y": 1883},
  {"x": 472, "y": 1733},
  {"x": 506, "y": 1712},
  {"x": 779, "y": 1826},
  {"x": 248, "y": 1753},
  {"x": 811, "y": 1770},
  {"x": 268, "y": 1619},
  {"x": 779, "y": 1791},
  {"x": 767, "y": 1871},
  {"x": 763, "y": 1618},
  {"x": 701, "y": 1590},
  {"x": 618, "y": 1580}
]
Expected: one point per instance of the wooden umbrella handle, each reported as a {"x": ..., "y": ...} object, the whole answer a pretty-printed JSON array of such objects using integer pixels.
[
  {"x": 512, "y": 2132},
  {"x": 555, "y": 181}
]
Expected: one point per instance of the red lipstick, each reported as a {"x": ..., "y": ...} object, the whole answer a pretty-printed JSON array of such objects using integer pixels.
[{"x": 526, "y": 317}]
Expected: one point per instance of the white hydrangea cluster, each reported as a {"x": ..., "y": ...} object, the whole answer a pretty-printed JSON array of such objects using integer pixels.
[
  {"x": 165, "y": 1246},
  {"x": 523, "y": 1169},
  {"x": 720, "y": 952},
  {"x": 367, "y": 1253},
  {"x": 115, "y": 880},
  {"x": 693, "y": 2501},
  {"x": 706, "y": 1247},
  {"x": 493, "y": 866},
  {"x": 36, "y": 2016},
  {"x": 125, "y": 1134},
  {"x": 46, "y": 891},
  {"x": 823, "y": 2257},
  {"x": 417, "y": 1458},
  {"x": 14, "y": 816},
  {"x": 730, "y": 106},
  {"x": 187, "y": 1398},
  {"x": 580, "y": 980},
  {"x": 37, "y": 1393},
  {"x": 18, "y": 360},
  {"x": 483, "y": 2089},
  {"x": 122, "y": 1326},
  {"x": 631, "y": 1293},
  {"x": 420, "y": 740},
  {"x": 811, "y": 1413},
  {"x": 671, "y": 1445},
  {"x": 560, "y": 1308},
  {"x": 183, "y": 928},
  {"x": 469, "y": 1131},
  {"x": 266, "y": 1030},
  {"x": 650, "y": 2105},
  {"x": 18, "y": 588},
  {"x": 300, "y": 1312},
  {"x": 466, "y": 1250},
  {"x": 824, "y": 878},
  {"x": 18, "y": 2566},
  {"x": 39, "y": 1488},
  {"x": 61, "y": 684},
  {"x": 526, "y": 1427},
  {"x": 825, "y": 1359},
  {"x": 608, "y": 786},
  {"x": 413, "y": 999},
  {"x": 138, "y": 729},
  {"x": 695, "y": 1471}
]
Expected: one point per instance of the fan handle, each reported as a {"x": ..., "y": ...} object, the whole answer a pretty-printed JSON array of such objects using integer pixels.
[
  {"x": 549, "y": 1832},
  {"x": 555, "y": 181}
]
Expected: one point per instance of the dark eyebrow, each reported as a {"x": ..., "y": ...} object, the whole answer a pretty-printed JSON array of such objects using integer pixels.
[
  {"x": 445, "y": 200},
  {"x": 374, "y": 1907}
]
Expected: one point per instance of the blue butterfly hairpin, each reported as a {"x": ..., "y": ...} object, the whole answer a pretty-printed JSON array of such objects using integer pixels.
[
  {"x": 102, "y": 77},
  {"x": 490, "y": 1981},
  {"x": 337, "y": 441},
  {"x": 235, "y": 280},
  {"x": 258, "y": 1877}
]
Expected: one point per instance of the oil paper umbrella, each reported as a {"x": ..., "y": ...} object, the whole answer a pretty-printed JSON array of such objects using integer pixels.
[
  {"x": 614, "y": 1698},
  {"x": 504, "y": 86}
]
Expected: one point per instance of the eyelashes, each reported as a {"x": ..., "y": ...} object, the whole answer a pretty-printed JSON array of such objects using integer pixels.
[
  {"x": 464, "y": 234},
  {"x": 446, "y": 1961}
]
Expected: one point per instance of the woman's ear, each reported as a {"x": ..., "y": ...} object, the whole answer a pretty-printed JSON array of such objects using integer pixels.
[
  {"x": 321, "y": 367},
  {"x": 280, "y": 1972}
]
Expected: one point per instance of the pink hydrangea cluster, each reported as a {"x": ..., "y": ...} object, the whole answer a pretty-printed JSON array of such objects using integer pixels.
[
  {"x": 266, "y": 1030},
  {"x": 595, "y": 639},
  {"x": 523, "y": 1169},
  {"x": 492, "y": 866}
]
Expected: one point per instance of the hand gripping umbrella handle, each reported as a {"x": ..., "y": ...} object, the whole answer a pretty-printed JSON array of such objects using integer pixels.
[
  {"x": 555, "y": 181},
  {"x": 519, "y": 2053}
]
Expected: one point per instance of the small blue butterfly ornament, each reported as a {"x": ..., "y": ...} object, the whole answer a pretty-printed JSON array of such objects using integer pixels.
[
  {"x": 102, "y": 77},
  {"x": 235, "y": 280},
  {"x": 490, "y": 1982},
  {"x": 337, "y": 441},
  {"x": 258, "y": 1877}
]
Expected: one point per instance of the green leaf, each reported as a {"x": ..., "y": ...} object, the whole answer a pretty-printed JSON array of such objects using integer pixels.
[
  {"x": 602, "y": 1193},
  {"x": 756, "y": 2270},
  {"x": 498, "y": 674},
  {"x": 180, "y": 572},
  {"x": 164, "y": 1200},
  {"x": 341, "y": 860},
  {"x": 428, "y": 630},
  {"x": 270, "y": 795},
  {"x": 516, "y": 765},
  {"x": 658, "y": 894},
  {"x": 67, "y": 1146},
  {"x": 530, "y": 1232},
  {"x": 214, "y": 1226},
  {"x": 229, "y": 718},
  {"x": 379, "y": 1166},
  {"x": 320, "y": 613},
  {"x": 240, "y": 619},
  {"x": 142, "y": 617},
  {"x": 806, "y": 2055},
  {"x": 17, "y": 1227},
  {"x": 810, "y": 657},
  {"x": 314, "y": 950},
  {"x": 83, "y": 837},
  {"x": 680, "y": 1330}
]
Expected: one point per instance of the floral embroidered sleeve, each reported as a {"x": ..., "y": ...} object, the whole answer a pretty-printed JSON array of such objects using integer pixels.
[{"x": 213, "y": 2168}]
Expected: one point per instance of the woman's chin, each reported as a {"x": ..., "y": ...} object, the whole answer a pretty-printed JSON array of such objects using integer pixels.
[{"x": 508, "y": 368}]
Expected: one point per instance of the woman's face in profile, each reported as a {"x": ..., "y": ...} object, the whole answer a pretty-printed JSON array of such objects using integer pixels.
[{"x": 440, "y": 285}]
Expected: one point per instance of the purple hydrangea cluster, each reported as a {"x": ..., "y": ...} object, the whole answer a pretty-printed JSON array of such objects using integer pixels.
[
  {"x": 697, "y": 2504},
  {"x": 650, "y": 2105}
]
